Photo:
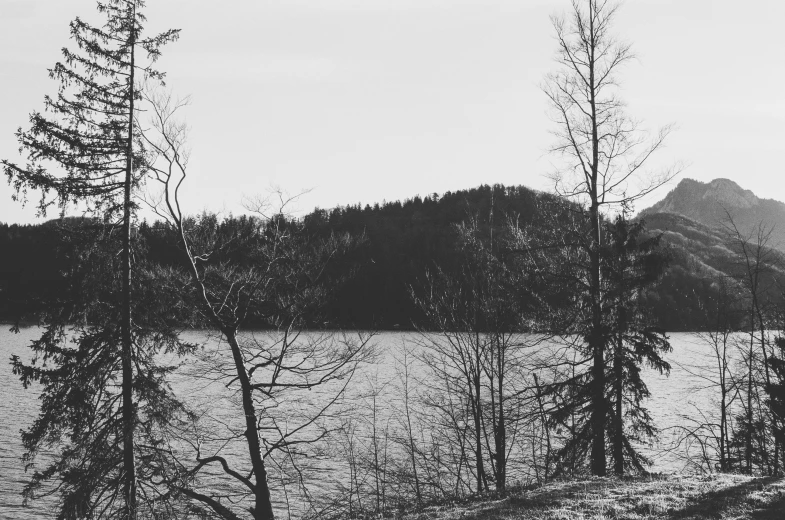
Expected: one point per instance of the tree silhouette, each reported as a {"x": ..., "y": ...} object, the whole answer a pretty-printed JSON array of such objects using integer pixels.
[
  {"x": 605, "y": 156},
  {"x": 85, "y": 150},
  {"x": 631, "y": 264}
]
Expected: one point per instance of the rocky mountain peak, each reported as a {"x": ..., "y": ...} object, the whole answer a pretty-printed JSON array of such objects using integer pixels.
[
  {"x": 711, "y": 203},
  {"x": 729, "y": 194}
]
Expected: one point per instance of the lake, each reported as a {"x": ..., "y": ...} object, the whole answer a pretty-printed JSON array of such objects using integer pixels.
[{"x": 675, "y": 400}]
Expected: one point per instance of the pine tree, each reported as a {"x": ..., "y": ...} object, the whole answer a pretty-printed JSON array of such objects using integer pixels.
[
  {"x": 631, "y": 264},
  {"x": 78, "y": 363},
  {"x": 85, "y": 150}
]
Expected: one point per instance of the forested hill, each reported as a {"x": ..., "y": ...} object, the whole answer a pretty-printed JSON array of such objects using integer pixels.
[
  {"x": 404, "y": 239},
  {"x": 401, "y": 241}
]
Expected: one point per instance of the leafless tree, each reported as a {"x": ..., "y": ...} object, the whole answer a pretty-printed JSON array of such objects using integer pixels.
[
  {"x": 755, "y": 268},
  {"x": 711, "y": 429},
  {"x": 719, "y": 338},
  {"x": 265, "y": 269},
  {"x": 480, "y": 312},
  {"x": 404, "y": 368}
]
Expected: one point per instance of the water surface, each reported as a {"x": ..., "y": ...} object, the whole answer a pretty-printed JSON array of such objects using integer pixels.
[{"x": 676, "y": 401}]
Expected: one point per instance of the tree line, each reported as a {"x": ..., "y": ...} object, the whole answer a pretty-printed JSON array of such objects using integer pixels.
[{"x": 401, "y": 240}]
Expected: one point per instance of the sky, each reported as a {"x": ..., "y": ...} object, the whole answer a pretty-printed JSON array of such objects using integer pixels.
[{"x": 362, "y": 101}]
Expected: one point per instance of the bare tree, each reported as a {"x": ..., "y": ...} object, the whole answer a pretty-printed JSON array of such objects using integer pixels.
[
  {"x": 754, "y": 269},
  {"x": 480, "y": 311},
  {"x": 719, "y": 336},
  {"x": 605, "y": 156},
  {"x": 263, "y": 269},
  {"x": 404, "y": 375},
  {"x": 456, "y": 356}
]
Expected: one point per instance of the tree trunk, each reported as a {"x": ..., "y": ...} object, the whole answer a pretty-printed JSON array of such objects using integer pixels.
[
  {"x": 597, "y": 347},
  {"x": 723, "y": 426},
  {"x": 477, "y": 408},
  {"x": 129, "y": 462},
  {"x": 478, "y": 434},
  {"x": 598, "y": 458},
  {"x": 501, "y": 427},
  {"x": 263, "y": 509},
  {"x": 748, "y": 443},
  {"x": 618, "y": 418},
  {"x": 376, "y": 467},
  {"x": 546, "y": 432},
  {"x": 411, "y": 443},
  {"x": 412, "y": 449}
]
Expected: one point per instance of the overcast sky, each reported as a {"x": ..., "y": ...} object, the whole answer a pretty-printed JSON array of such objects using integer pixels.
[{"x": 372, "y": 100}]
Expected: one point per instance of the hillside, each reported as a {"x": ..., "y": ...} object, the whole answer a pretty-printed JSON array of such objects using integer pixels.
[
  {"x": 692, "y": 220},
  {"x": 406, "y": 238},
  {"x": 403, "y": 239},
  {"x": 711, "y": 203}
]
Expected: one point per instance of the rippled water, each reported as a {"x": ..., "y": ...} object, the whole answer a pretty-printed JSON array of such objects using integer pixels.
[
  {"x": 675, "y": 399},
  {"x": 18, "y": 408}
]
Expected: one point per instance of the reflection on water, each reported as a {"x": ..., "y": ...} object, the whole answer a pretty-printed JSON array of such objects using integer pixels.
[{"x": 676, "y": 399}]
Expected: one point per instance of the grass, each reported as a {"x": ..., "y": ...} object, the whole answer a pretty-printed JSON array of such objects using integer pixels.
[{"x": 715, "y": 497}]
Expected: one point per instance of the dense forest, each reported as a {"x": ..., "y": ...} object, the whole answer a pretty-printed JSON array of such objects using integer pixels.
[{"x": 401, "y": 241}]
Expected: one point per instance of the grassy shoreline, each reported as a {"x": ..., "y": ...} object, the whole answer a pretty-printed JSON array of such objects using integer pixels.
[{"x": 719, "y": 496}]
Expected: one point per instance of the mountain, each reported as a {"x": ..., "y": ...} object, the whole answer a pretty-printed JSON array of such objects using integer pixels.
[
  {"x": 711, "y": 203},
  {"x": 692, "y": 220}
]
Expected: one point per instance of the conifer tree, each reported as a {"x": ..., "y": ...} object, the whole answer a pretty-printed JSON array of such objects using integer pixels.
[
  {"x": 605, "y": 157},
  {"x": 77, "y": 361},
  {"x": 631, "y": 264},
  {"x": 85, "y": 150}
]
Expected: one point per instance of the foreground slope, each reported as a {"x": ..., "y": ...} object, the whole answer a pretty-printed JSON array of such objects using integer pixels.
[{"x": 638, "y": 498}]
